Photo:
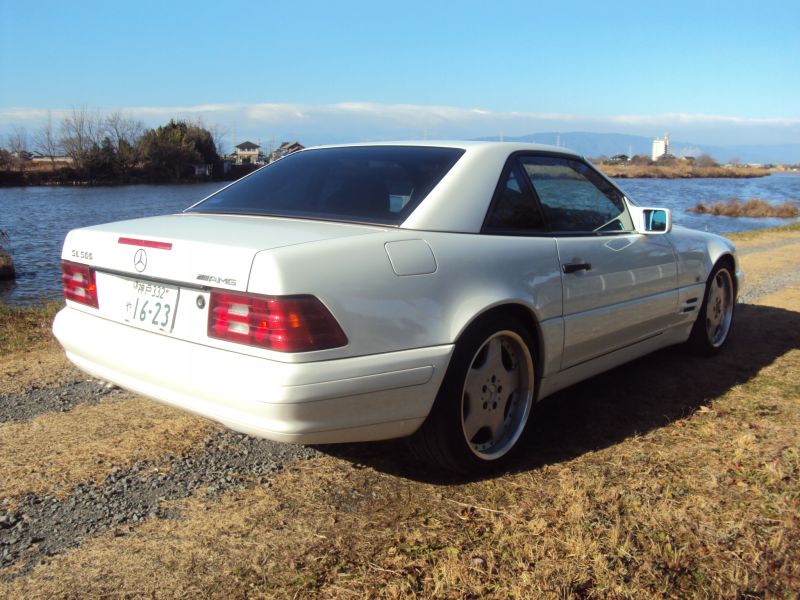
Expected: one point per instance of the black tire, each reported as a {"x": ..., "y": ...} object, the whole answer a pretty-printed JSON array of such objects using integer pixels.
[
  {"x": 714, "y": 321},
  {"x": 475, "y": 426}
]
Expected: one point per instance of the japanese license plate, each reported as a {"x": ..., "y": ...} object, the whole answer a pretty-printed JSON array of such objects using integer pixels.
[{"x": 151, "y": 305}]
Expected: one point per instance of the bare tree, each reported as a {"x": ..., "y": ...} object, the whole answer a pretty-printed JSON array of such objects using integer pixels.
[
  {"x": 121, "y": 127},
  {"x": 46, "y": 141},
  {"x": 218, "y": 132},
  {"x": 18, "y": 146},
  {"x": 80, "y": 132},
  {"x": 124, "y": 132}
]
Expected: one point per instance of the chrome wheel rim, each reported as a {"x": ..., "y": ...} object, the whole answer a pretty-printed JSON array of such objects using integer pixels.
[
  {"x": 497, "y": 395},
  {"x": 719, "y": 308}
]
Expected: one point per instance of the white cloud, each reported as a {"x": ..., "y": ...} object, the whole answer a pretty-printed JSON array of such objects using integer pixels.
[
  {"x": 354, "y": 121},
  {"x": 699, "y": 119},
  {"x": 24, "y": 116}
]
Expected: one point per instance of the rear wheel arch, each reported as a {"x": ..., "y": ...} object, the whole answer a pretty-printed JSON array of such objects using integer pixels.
[
  {"x": 523, "y": 314},
  {"x": 485, "y": 401}
]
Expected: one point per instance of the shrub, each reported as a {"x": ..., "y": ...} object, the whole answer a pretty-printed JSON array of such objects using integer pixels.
[{"x": 754, "y": 207}]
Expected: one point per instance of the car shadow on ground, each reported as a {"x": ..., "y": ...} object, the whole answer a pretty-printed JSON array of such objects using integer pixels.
[{"x": 631, "y": 400}]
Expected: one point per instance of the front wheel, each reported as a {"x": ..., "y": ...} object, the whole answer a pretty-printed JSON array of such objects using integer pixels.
[
  {"x": 713, "y": 325},
  {"x": 482, "y": 408}
]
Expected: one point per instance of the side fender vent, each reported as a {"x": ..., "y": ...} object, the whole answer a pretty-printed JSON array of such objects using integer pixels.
[{"x": 689, "y": 305}]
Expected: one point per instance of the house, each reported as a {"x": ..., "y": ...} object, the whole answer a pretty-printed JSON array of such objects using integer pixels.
[
  {"x": 22, "y": 155},
  {"x": 38, "y": 157},
  {"x": 285, "y": 149},
  {"x": 247, "y": 153},
  {"x": 289, "y": 147}
]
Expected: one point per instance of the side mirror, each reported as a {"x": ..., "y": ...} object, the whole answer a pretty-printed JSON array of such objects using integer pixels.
[{"x": 651, "y": 221}]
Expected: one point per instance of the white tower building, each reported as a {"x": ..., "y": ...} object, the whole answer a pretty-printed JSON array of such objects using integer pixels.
[{"x": 660, "y": 147}]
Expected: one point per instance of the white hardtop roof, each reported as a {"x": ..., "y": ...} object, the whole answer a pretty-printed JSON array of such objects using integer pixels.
[
  {"x": 472, "y": 181},
  {"x": 504, "y": 147}
]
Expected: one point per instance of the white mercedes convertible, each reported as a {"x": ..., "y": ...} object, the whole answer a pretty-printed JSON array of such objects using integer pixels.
[{"x": 430, "y": 290}]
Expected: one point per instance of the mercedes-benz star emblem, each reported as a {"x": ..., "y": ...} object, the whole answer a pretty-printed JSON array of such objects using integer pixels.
[{"x": 140, "y": 260}]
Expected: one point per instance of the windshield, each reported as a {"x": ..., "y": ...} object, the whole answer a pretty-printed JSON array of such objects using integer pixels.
[{"x": 372, "y": 184}]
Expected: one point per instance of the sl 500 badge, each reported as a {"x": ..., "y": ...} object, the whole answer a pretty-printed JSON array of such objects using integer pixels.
[{"x": 82, "y": 254}]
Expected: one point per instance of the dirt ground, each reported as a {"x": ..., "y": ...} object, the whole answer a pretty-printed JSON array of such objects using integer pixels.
[{"x": 670, "y": 477}]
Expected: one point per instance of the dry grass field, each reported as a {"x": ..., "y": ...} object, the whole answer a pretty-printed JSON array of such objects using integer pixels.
[
  {"x": 679, "y": 170},
  {"x": 672, "y": 477}
]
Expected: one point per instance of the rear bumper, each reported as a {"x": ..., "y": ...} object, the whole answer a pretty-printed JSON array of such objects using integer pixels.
[{"x": 353, "y": 399}]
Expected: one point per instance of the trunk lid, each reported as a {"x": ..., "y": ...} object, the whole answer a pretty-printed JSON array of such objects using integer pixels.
[{"x": 195, "y": 249}]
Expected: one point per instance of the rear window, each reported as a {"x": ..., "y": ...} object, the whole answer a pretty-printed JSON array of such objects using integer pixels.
[{"x": 372, "y": 184}]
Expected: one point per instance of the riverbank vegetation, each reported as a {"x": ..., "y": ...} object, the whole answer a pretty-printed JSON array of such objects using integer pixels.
[
  {"x": 704, "y": 166},
  {"x": 681, "y": 172},
  {"x": 90, "y": 149},
  {"x": 755, "y": 207}
]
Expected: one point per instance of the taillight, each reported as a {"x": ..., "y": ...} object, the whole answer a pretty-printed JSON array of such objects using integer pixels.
[
  {"x": 79, "y": 283},
  {"x": 282, "y": 323}
]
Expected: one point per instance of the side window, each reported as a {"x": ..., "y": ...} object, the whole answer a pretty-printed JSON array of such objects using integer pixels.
[
  {"x": 575, "y": 198},
  {"x": 514, "y": 209}
]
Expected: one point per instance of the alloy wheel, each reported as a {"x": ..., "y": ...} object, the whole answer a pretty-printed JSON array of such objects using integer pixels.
[
  {"x": 719, "y": 308},
  {"x": 497, "y": 395}
]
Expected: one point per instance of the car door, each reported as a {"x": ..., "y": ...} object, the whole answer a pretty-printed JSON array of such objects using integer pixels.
[{"x": 619, "y": 286}]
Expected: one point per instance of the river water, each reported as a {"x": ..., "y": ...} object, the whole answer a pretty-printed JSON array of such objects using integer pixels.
[{"x": 36, "y": 219}]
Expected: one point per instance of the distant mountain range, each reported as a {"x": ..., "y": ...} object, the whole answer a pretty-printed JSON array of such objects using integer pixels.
[{"x": 609, "y": 144}]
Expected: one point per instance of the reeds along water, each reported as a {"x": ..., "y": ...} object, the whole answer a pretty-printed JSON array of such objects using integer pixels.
[{"x": 754, "y": 207}]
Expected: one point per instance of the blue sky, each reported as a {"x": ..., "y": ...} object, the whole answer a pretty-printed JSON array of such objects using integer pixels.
[{"x": 714, "y": 73}]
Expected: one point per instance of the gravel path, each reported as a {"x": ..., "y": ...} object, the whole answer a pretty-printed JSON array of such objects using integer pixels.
[
  {"x": 36, "y": 401},
  {"x": 768, "y": 285},
  {"x": 763, "y": 283},
  {"x": 41, "y": 526}
]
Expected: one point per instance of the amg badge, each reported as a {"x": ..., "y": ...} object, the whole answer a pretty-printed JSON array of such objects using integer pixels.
[{"x": 212, "y": 279}]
